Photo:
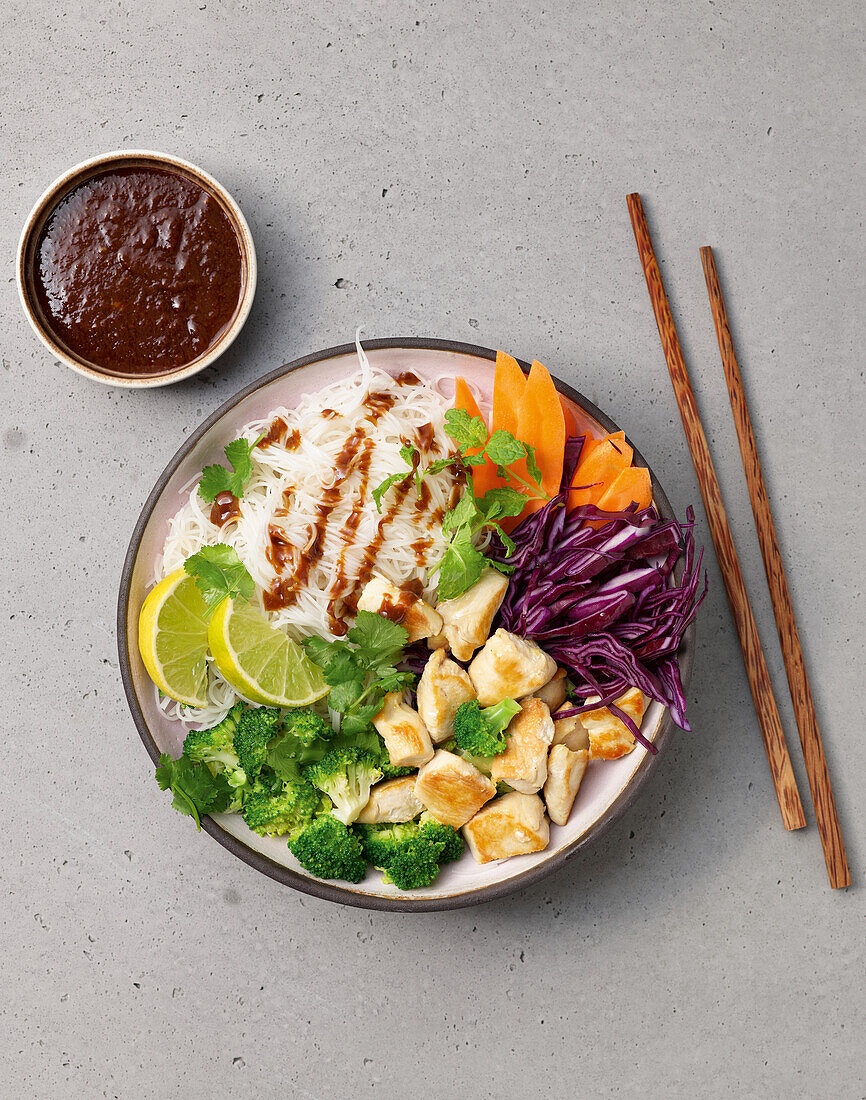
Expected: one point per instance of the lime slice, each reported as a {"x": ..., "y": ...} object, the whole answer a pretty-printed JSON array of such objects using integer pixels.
[
  {"x": 259, "y": 660},
  {"x": 172, "y": 639}
]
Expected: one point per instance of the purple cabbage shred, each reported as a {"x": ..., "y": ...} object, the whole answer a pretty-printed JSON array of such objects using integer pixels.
[{"x": 603, "y": 602}]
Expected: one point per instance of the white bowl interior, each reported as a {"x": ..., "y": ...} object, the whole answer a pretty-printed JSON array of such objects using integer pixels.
[{"x": 604, "y": 782}]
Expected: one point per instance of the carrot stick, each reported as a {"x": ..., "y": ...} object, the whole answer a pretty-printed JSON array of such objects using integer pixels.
[
  {"x": 593, "y": 477},
  {"x": 541, "y": 424},
  {"x": 632, "y": 485},
  {"x": 590, "y": 443},
  {"x": 483, "y": 477},
  {"x": 508, "y": 390}
]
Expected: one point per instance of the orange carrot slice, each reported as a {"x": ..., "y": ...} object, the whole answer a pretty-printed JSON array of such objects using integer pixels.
[
  {"x": 597, "y": 473},
  {"x": 464, "y": 398},
  {"x": 632, "y": 485},
  {"x": 508, "y": 390},
  {"x": 541, "y": 424},
  {"x": 591, "y": 443},
  {"x": 483, "y": 477}
]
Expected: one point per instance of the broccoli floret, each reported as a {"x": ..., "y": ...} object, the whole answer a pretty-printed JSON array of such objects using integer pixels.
[
  {"x": 480, "y": 732},
  {"x": 410, "y": 854},
  {"x": 256, "y": 728},
  {"x": 307, "y": 726},
  {"x": 215, "y": 748},
  {"x": 345, "y": 776},
  {"x": 327, "y": 849},
  {"x": 382, "y": 842},
  {"x": 434, "y": 831},
  {"x": 290, "y": 809}
]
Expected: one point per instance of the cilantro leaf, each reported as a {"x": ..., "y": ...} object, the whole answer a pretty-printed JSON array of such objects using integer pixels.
[
  {"x": 219, "y": 573},
  {"x": 377, "y": 637},
  {"x": 461, "y": 566},
  {"x": 344, "y": 693},
  {"x": 360, "y": 668},
  {"x": 503, "y": 449},
  {"x": 214, "y": 480},
  {"x": 467, "y": 431},
  {"x": 196, "y": 792},
  {"x": 217, "y": 479}
]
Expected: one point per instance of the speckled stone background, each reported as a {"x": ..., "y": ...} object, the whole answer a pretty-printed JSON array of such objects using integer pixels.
[{"x": 456, "y": 170}]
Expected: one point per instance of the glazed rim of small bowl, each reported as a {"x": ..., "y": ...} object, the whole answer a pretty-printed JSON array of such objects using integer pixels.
[
  {"x": 58, "y": 190},
  {"x": 326, "y": 890}
]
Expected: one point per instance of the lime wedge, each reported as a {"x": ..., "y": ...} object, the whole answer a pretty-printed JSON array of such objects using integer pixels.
[
  {"x": 172, "y": 639},
  {"x": 259, "y": 660}
]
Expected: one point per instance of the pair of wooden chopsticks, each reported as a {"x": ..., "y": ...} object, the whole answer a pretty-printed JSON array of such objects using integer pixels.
[{"x": 756, "y": 667}]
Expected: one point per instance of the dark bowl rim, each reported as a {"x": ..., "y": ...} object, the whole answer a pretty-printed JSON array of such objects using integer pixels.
[{"x": 327, "y": 891}]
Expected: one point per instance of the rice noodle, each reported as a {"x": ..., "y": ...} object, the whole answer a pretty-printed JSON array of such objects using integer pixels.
[{"x": 337, "y": 434}]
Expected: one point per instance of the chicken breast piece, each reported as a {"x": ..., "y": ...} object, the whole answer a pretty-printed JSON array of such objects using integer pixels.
[
  {"x": 509, "y": 667},
  {"x": 405, "y": 735},
  {"x": 443, "y": 687},
  {"x": 553, "y": 692},
  {"x": 394, "y": 800},
  {"x": 523, "y": 765},
  {"x": 609, "y": 737},
  {"x": 451, "y": 789},
  {"x": 382, "y": 597},
  {"x": 509, "y": 826},
  {"x": 564, "y": 772},
  {"x": 569, "y": 731},
  {"x": 468, "y": 617}
]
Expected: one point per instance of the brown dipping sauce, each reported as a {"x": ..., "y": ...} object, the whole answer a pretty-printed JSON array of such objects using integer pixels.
[{"x": 138, "y": 271}]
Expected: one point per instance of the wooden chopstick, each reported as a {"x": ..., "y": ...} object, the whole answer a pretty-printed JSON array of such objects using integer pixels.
[
  {"x": 789, "y": 638},
  {"x": 756, "y": 667}
]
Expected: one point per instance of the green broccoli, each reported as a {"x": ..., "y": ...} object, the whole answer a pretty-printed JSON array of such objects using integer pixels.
[
  {"x": 257, "y": 726},
  {"x": 273, "y": 814},
  {"x": 480, "y": 732},
  {"x": 345, "y": 775},
  {"x": 410, "y": 854},
  {"x": 307, "y": 726},
  {"x": 327, "y": 849},
  {"x": 451, "y": 841},
  {"x": 215, "y": 748}
]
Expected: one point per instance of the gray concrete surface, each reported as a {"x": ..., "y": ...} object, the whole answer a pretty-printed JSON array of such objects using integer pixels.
[{"x": 457, "y": 170}]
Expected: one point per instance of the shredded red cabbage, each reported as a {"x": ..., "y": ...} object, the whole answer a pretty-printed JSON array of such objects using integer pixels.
[{"x": 603, "y": 602}]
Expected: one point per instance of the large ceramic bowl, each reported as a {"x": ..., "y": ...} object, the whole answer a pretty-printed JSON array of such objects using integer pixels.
[{"x": 608, "y": 788}]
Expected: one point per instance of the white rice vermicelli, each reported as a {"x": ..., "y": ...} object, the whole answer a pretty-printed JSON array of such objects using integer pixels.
[{"x": 312, "y": 490}]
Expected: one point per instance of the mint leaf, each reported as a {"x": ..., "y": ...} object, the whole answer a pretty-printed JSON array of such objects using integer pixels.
[
  {"x": 468, "y": 432},
  {"x": 219, "y": 573},
  {"x": 503, "y": 449},
  {"x": 410, "y": 454},
  {"x": 196, "y": 792},
  {"x": 531, "y": 465},
  {"x": 461, "y": 566},
  {"x": 502, "y": 501},
  {"x": 383, "y": 488},
  {"x": 464, "y": 513}
]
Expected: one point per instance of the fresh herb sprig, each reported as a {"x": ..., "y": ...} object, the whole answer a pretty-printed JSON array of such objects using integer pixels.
[
  {"x": 196, "y": 792},
  {"x": 217, "y": 479},
  {"x": 462, "y": 564},
  {"x": 219, "y": 573},
  {"x": 361, "y": 668}
]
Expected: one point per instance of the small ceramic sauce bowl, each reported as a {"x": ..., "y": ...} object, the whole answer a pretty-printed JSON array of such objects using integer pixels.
[{"x": 29, "y": 277}]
